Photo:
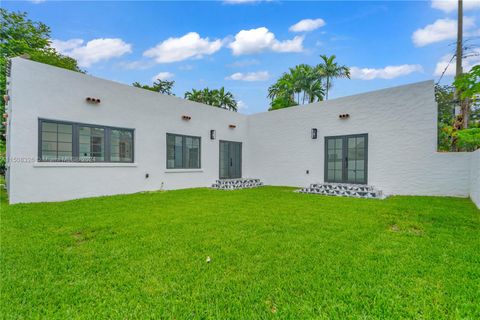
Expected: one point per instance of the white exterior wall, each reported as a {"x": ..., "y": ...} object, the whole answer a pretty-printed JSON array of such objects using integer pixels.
[
  {"x": 277, "y": 146},
  {"x": 41, "y": 91},
  {"x": 401, "y": 124},
  {"x": 475, "y": 178}
]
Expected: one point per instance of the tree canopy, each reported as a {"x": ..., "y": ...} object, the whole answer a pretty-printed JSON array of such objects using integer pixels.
[
  {"x": 306, "y": 84},
  {"x": 20, "y": 35},
  {"x": 160, "y": 86},
  {"x": 219, "y": 98}
]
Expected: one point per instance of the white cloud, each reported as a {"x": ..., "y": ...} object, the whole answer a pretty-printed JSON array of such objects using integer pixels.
[
  {"x": 440, "y": 30},
  {"x": 163, "y": 76},
  {"x": 242, "y": 106},
  {"x": 63, "y": 46},
  {"x": 472, "y": 59},
  {"x": 260, "y": 39},
  {"x": 452, "y": 5},
  {"x": 389, "y": 72},
  {"x": 93, "y": 51},
  {"x": 250, "y": 76},
  {"x": 306, "y": 25},
  {"x": 185, "y": 47}
]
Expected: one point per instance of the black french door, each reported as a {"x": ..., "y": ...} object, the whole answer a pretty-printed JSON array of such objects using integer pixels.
[
  {"x": 346, "y": 159},
  {"x": 230, "y": 160}
]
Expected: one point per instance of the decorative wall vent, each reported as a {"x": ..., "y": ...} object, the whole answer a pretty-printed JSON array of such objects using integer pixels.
[
  {"x": 344, "y": 116},
  {"x": 186, "y": 118},
  {"x": 92, "y": 100},
  {"x": 232, "y": 126}
]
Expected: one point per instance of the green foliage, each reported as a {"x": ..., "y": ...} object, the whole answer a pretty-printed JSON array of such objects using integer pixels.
[
  {"x": 20, "y": 35},
  {"x": 282, "y": 102},
  {"x": 299, "y": 86},
  {"x": 217, "y": 98},
  {"x": 469, "y": 86},
  {"x": 330, "y": 69},
  {"x": 469, "y": 83},
  {"x": 306, "y": 84},
  {"x": 468, "y": 139},
  {"x": 449, "y": 137},
  {"x": 445, "y": 137},
  {"x": 444, "y": 96},
  {"x": 160, "y": 86},
  {"x": 275, "y": 254}
]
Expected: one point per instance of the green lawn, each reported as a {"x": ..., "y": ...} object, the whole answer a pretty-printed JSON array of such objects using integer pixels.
[{"x": 274, "y": 254}]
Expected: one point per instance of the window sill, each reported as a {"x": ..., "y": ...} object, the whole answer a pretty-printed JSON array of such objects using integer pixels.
[
  {"x": 82, "y": 164},
  {"x": 182, "y": 170}
]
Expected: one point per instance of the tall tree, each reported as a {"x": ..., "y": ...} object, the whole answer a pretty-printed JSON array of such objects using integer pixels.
[
  {"x": 160, "y": 86},
  {"x": 300, "y": 85},
  {"x": 330, "y": 69},
  {"x": 217, "y": 98},
  {"x": 225, "y": 100},
  {"x": 20, "y": 35}
]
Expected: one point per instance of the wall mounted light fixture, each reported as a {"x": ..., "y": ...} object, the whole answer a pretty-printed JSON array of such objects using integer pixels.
[
  {"x": 344, "y": 116},
  {"x": 232, "y": 126},
  {"x": 212, "y": 134},
  {"x": 186, "y": 118},
  {"x": 314, "y": 133}
]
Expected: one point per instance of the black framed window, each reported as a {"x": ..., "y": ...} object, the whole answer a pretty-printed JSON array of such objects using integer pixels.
[
  {"x": 121, "y": 145},
  {"x": 56, "y": 142},
  {"x": 61, "y": 141},
  {"x": 183, "y": 152},
  {"x": 91, "y": 143}
]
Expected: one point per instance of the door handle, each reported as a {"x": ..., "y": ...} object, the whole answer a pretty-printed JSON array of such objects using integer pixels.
[{"x": 346, "y": 162}]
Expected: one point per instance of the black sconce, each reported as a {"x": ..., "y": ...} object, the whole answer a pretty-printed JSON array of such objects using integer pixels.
[
  {"x": 314, "y": 133},
  {"x": 212, "y": 134}
]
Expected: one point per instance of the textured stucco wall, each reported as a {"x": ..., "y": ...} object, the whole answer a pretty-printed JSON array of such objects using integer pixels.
[
  {"x": 475, "y": 178},
  {"x": 402, "y": 131},
  {"x": 277, "y": 148},
  {"x": 41, "y": 91}
]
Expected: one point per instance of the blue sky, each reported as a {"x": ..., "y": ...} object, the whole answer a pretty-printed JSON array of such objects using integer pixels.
[{"x": 245, "y": 45}]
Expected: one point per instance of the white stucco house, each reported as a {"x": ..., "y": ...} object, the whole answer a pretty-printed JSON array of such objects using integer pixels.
[{"x": 71, "y": 135}]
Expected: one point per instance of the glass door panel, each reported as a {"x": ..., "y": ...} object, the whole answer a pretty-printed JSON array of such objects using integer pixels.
[
  {"x": 230, "y": 160},
  {"x": 335, "y": 159},
  {"x": 346, "y": 159}
]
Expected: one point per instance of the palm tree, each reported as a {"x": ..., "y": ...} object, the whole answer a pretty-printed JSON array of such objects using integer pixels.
[
  {"x": 315, "y": 91},
  {"x": 217, "y": 98},
  {"x": 330, "y": 69},
  {"x": 301, "y": 79},
  {"x": 225, "y": 100},
  {"x": 194, "y": 95}
]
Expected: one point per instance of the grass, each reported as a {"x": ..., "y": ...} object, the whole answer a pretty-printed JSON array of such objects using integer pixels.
[{"x": 274, "y": 254}]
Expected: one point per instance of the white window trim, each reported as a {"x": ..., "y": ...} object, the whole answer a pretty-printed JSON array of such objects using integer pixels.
[{"x": 83, "y": 164}]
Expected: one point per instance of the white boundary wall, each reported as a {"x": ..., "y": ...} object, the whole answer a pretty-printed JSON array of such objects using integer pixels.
[
  {"x": 475, "y": 178},
  {"x": 402, "y": 131},
  {"x": 277, "y": 146}
]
